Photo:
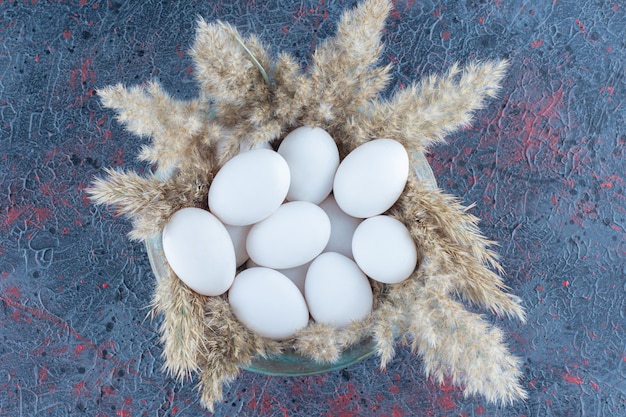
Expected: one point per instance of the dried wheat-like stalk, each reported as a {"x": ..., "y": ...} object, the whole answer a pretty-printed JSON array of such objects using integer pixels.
[
  {"x": 255, "y": 99},
  {"x": 182, "y": 332}
]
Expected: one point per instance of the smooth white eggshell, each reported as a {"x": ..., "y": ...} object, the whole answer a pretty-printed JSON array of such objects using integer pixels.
[
  {"x": 249, "y": 187},
  {"x": 384, "y": 249},
  {"x": 371, "y": 178},
  {"x": 342, "y": 227},
  {"x": 238, "y": 235},
  {"x": 268, "y": 303},
  {"x": 336, "y": 290},
  {"x": 313, "y": 158},
  {"x": 199, "y": 250},
  {"x": 293, "y": 235}
]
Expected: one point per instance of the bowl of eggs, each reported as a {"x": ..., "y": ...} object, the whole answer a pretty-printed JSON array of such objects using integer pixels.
[{"x": 294, "y": 235}]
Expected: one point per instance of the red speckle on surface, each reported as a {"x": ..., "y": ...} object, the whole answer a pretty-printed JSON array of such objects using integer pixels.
[
  {"x": 481, "y": 20},
  {"x": 445, "y": 36},
  {"x": 123, "y": 413},
  {"x": 42, "y": 213},
  {"x": 78, "y": 349},
  {"x": 13, "y": 214},
  {"x": 445, "y": 399},
  {"x": 13, "y": 292},
  {"x": 609, "y": 89},
  {"x": 580, "y": 25},
  {"x": 118, "y": 157},
  {"x": 396, "y": 411},
  {"x": 67, "y": 34},
  {"x": 108, "y": 390},
  {"x": 437, "y": 13},
  {"x": 394, "y": 389},
  {"x": 78, "y": 387},
  {"x": 339, "y": 405},
  {"x": 480, "y": 410},
  {"x": 572, "y": 379},
  {"x": 565, "y": 283},
  {"x": 83, "y": 70},
  {"x": 82, "y": 3},
  {"x": 537, "y": 44},
  {"x": 42, "y": 374}
]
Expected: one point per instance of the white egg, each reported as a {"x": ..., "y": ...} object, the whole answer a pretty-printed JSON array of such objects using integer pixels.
[
  {"x": 313, "y": 158},
  {"x": 199, "y": 250},
  {"x": 239, "y": 234},
  {"x": 342, "y": 227},
  {"x": 268, "y": 303},
  {"x": 371, "y": 178},
  {"x": 249, "y": 187},
  {"x": 336, "y": 290},
  {"x": 293, "y": 235},
  {"x": 384, "y": 249}
]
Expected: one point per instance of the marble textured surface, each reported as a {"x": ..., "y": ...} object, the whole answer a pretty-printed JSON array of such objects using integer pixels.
[{"x": 544, "y": 164}]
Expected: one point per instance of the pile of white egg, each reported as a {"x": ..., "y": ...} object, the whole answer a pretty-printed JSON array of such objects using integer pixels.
[{"x": 308, "y": 227}]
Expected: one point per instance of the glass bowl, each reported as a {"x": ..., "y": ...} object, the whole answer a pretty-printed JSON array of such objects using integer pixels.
[{"x": 290, "y": 363}]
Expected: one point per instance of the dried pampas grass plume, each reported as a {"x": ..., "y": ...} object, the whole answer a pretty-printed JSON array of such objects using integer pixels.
[{"x": 247, "y": 98}]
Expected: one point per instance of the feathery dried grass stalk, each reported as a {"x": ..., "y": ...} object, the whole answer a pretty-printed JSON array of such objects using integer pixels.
[
  {"x": 182, "y": 328},
  {"x": 340, "y": 94},
  {"x": 454, "y": 342},
  {"x": 426, "y": 112},
  {"x": 343, "y": 76}
]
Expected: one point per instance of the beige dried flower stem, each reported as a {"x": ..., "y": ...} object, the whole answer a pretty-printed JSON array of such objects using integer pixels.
[
  {"x": 454, "y": 342},
  {"x": 182, "y": 330},
  {"x": 150, "y": 111},
  {"x": 425, "y": 112},
  {"x": 256, "y": 62}
]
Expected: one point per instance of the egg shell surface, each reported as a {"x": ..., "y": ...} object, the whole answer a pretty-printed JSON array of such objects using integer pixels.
[
  {"x": 249, "y": 187},
  {"x": 336, "y": 290},
  {"x": 268, "y": 303},
  {"x": 342, "y": 227},
  {"x": 384, "y": 249},
  {"x": 293, "y": 235},
  {"x": 313, "y": 158},
  {"x": 371, "y": 178},
  {"x": 199, "y": 250}
]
